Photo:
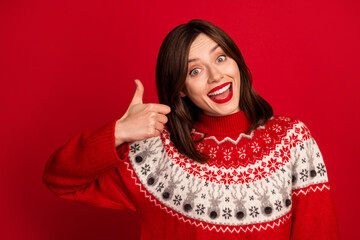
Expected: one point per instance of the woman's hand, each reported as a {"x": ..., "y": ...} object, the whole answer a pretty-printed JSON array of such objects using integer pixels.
[{"x": 140, "y": 121}]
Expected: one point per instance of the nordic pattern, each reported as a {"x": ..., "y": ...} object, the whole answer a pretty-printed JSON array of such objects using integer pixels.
[
  {"x": 278, "y": 155},
  {"x": 247, "y": 148},
  {"x": 264, "y": 199}
]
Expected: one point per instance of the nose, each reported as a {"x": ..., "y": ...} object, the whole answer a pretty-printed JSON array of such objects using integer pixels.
[{"x": 215, "y": 74}]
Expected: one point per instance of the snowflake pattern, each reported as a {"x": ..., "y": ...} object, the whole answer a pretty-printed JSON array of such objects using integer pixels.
[
  {"x": 244, "y": 177},
  {"x": 285, "y": 153},
  {"x": 134, "y": 148},
  {"x": 255, "y": 147},
  {"x": 227, "y": 155},
  {"x": 213, "y": 152},
  {"x": 260, "y": 173},
  {"x": 242, "y": 153},
  {"x": 304, "y": 175},
  {"x": 276, "y": 128},
  {"x": 266, "y": 137},
  {"x": 200, "y": 209},
  {"x": 278, "y": 205},
  {"x": 200, "y": 147},
  {"x": 159, "y": 187},
  {"x": 145, "y": 169},
  {"x": 254, "y": 211},
  {"x": 227, "y": 213},
  {"x": 273, "y": 164},
  {"x": 177, "y": 200},
  {"x": 321, "y": 169}
]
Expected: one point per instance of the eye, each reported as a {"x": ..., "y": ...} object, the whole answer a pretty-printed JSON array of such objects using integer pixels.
[
  {"x": 195, "y": 71},
  {"x": 221, "y": 58}
]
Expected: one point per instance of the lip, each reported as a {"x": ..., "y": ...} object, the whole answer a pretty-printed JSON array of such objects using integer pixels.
[
  {"x": 218, "y": 87},
  {"x": 225, "y": 99}
]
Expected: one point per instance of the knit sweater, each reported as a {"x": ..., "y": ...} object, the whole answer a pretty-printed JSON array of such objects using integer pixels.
[{"x": 269, "y": 184}]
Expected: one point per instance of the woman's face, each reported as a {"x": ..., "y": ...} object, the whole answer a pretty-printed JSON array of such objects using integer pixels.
[{"x": 213, "y": 78}]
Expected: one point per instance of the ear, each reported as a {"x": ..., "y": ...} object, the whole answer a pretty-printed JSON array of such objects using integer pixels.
[{"x": 182, "y": 94}]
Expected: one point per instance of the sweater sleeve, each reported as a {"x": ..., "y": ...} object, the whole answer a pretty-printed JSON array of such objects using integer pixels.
[
  {"x": 88, "y": 168},
  {"x": 313, "y": 208}
]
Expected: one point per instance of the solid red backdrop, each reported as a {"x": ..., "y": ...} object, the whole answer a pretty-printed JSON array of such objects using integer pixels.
[{"x": 67, "y": 66}]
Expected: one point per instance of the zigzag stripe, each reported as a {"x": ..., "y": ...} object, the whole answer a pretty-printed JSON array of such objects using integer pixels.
[
  {"x": 231, "y": 229},
  {"x": 235, "y": 142},
  {"x": 305, "y": 191}
]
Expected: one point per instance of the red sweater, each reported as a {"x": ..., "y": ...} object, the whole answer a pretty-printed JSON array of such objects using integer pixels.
[{"x": 269, "y": 184}]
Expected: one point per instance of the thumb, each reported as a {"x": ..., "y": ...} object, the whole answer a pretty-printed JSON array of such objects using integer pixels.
[{"x": 138, "y": 96}]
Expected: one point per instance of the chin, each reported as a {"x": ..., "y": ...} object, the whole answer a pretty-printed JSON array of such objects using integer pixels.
[{"x": 222, "y": 113}]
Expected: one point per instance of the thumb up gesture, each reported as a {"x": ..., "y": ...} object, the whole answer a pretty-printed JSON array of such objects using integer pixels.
[{"x": 140, "y": 121}]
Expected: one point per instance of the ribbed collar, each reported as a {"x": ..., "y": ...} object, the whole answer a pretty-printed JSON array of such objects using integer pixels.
[{"x": 232, "y": 124}]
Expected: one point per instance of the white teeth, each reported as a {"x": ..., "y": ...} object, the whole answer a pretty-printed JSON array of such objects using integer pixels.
[{"x": 220, "y": 90}]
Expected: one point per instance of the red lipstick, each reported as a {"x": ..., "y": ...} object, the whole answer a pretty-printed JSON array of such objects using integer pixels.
[
  {"x": 218, "y": 87},
  {"x": 226, "y": 99}
]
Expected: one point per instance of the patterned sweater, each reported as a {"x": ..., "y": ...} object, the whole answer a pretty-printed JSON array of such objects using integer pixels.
[{"x": 269, "y": 184}]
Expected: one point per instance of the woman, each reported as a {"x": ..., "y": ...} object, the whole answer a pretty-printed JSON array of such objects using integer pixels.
[{"x": 209, "y": 162}]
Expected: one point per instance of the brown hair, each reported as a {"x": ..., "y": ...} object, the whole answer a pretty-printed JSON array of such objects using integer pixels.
[{"x": 171, "y": 72}]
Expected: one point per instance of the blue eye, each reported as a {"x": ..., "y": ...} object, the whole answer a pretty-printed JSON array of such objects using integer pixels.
[
  {"x": 195, "y": 71},
  {"x": 221, "y": 58}
]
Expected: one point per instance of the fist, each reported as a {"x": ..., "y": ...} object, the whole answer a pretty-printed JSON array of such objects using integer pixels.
[{"x": 140, "y": 121}]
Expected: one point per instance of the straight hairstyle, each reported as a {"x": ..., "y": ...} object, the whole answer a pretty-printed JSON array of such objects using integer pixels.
[{"x": 171, "y": 73}]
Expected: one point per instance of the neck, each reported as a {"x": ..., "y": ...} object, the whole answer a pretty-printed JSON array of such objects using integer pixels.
[{"x": 232, "y": 124}]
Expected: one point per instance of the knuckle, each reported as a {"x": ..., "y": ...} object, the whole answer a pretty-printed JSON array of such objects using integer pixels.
[
  {"x": 152, "y": 115},
  {"x": 151, "y": 124},
  {"x": 150, "y": 106},
  {"x": 147, "y": 107},
  {"x": 151, "y": 131}
]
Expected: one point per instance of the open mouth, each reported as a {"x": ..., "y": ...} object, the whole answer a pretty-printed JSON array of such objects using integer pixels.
[{"x": 221, "y": 93}]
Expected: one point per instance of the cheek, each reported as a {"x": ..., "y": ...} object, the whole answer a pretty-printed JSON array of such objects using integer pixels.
[
  {"x": 194, "y": 89},
  {"x": 233, "y": 69}
]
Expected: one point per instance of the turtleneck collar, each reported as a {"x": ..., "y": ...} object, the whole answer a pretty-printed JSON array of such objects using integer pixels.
[{"x": 235, "y": 123}]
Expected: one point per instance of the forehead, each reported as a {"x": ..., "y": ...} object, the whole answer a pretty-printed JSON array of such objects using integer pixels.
[{"x": 201, "y": 44}]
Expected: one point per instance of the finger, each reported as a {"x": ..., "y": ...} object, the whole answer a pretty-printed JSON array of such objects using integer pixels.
[
  {"x": 157, "y": 133},
  {"x": 159, "y": 108},
  {"x": 159, "y": 126},
  {"x": 138, "y": 96},
  {"x": 161, "y": 118}
]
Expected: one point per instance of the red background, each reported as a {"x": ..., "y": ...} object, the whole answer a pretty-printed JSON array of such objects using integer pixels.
[{"x": 67, "y": 66}]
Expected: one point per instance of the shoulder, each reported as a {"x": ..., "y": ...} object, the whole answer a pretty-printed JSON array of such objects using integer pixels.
[
  {"x": 295, "y": 130},
  {"x": 289, "y": 123}
]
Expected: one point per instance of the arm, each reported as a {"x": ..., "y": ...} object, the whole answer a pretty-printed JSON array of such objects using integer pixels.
[
  {"x": 88, "y": 169},
  {"x": 90, "y": 166},
  {"x": 313, "y": 208}
]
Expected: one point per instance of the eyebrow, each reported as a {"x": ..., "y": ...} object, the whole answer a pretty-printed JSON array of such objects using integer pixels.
[{"x": 211, "y": 51}]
